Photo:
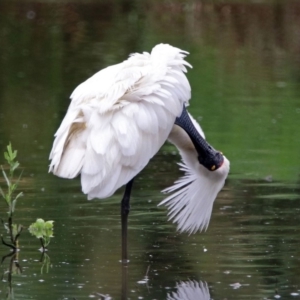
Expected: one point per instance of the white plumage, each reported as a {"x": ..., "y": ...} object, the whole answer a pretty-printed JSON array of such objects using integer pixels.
[
  {"x": 117, "y": 121},
  {"x": 191, "y": 202}
]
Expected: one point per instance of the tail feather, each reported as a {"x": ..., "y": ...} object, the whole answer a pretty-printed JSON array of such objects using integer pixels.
[
  {"x": 68, "y": 152},
  {"x": 66, "y": 168}
]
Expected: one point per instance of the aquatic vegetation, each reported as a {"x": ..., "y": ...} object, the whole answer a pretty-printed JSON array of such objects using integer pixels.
[
  {"x": 10, "y": 196},
  {"x": 43, "y": 231}
]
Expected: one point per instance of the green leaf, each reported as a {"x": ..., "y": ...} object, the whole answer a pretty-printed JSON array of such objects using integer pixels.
[
  {"x": 6, "y": 156},
  {"x": 6, "y": 226},
  {"x": 48, "y": 231},
  {"x": 49, "y": 224},
  {"x": 15, "y": 229},
  {"x": 9, "y": 152},
  {"x": 12, "y": 154},
  {"x": 13, "y": 187},
  {"x": 13, "y": 205},
  {"x": 19, "y": 178},
  {"x": 15, "y": 165},
  {"x": 6, "y": 178},
  {"x": 39, "y": 221},
  {"x": 19, "y": 195},
  {"x": 14, "y": 202},
  {"x": 35, "y": 230},
  {"x": 20, "y": 228},
  {"x": 2, "y": 193}
]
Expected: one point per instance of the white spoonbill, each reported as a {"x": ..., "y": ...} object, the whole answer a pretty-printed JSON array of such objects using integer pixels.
[{"x": 117, "y": 121}]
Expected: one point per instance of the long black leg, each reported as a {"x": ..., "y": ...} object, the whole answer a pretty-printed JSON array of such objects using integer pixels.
[{"x": 125, "y": 208}]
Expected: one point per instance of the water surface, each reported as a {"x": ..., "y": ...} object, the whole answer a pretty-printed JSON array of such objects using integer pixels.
[{"x": 245, "y": 94}]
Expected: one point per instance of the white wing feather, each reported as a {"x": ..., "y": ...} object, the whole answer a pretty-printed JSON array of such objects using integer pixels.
[{"x": 119, "y": 118}]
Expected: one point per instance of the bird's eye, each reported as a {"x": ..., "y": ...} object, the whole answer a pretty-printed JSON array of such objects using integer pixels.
[{"x": 213, "y": 167}]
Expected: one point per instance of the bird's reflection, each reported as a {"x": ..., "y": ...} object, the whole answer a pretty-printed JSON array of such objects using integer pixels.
[
  {"x": 190, "y": 290},
  {"x": 124, "y": 282},
  {"x": 185, "y": 290}
]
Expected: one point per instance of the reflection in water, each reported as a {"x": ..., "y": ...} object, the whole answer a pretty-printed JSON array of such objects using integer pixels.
[
  {"x": 185, "y": 290},
  {"x": 46, "y": 262},
  {"x": 124, "y": 291},
  {"x": 14, "y": 268},
  {"x": 190, "y": 290},
  {"x": 105, "y": 297}
]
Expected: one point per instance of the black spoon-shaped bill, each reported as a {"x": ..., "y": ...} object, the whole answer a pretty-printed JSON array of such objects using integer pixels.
[{"x": 207, "y": 155}]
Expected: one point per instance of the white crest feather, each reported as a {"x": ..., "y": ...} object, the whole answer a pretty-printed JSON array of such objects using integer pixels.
[{"x": 190, "y": 205}]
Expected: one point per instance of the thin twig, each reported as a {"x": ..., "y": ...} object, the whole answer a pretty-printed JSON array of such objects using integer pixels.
[
  {"x": 11, "y": 229},
  {"x": 7, "y": 255},
  {"x": 42, "y": 243},
  {"x": 8, "y": 245},
  {"x": 18, "y": 234}
]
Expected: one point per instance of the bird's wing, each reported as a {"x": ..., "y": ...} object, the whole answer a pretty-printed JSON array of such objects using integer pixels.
[
  {"x": 121, "y": 145},
  {"x": 119, "y": 118}
]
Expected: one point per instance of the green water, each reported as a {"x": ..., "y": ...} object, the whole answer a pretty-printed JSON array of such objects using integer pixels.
[{"x": 246, "y": 95}]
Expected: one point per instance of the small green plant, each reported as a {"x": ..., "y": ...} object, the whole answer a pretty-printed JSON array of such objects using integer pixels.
[
  {"x": 9, "y": 196},
  {"x": 43, "y": 231},
  {"x": 12, "y": 184}
]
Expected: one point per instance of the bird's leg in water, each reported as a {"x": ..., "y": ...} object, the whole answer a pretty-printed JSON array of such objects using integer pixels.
[{"x": 125, "y": 208}]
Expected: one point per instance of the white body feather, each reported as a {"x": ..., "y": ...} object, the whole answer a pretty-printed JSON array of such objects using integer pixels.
[{"x": 119, "y": 118}]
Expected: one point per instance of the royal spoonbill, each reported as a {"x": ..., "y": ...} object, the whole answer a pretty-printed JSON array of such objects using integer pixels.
[{"x": 117, "y": 121}]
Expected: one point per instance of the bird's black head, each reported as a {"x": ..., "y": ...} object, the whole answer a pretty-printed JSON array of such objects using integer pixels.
[{"x": 211, "y": 160}]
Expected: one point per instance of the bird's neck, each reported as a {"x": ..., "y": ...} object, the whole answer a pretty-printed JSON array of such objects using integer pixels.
[
  {"x": 183, "y": 143},
  {"x": 189, "y": 155}
]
